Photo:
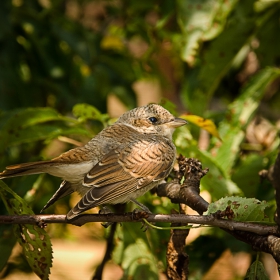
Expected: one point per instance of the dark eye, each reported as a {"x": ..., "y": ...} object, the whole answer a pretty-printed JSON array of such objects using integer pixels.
[{"x": 153, "y": 119}]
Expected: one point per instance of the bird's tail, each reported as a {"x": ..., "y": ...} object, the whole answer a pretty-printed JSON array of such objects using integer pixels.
[{"x": 25, "y": 169}]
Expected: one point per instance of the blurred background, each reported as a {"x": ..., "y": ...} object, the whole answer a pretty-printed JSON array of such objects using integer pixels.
[{"x": 68, "y": 68}]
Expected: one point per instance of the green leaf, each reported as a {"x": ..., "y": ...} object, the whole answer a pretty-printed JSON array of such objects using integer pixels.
[
  {"x": 244, "y": 209},
  {"x": 168, "y": 105},
  {"x": 41, "y": 132},
  {"x": 268, "y": 53},
  {"x": 217, "y": 58},
  {"x": 28, "y": 124},
  {"x": 22, "y": 118},
  {"x": 33, "y": 124},
  {"x": 200, "y": 21},
  {"x": 32, "y": 133},
  {"x": 256, "y": 271},
  {"x": 7, "y": 242},
  {"x": 134, "y": 254},
  {"x": 85, "y": 112},
  {"x": 138, "y": 262},
  {"x": 245, "y": 175},
  {"x": 33, "y": 239},
  {"x": 227, "y": 152},
  {"x": 240, "y": 112}
]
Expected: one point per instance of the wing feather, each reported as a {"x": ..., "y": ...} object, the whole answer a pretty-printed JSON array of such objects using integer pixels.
[{"x": 122, "y": 172}]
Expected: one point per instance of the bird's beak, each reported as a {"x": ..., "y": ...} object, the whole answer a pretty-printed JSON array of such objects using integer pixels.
[{"x": 177, "y": 122}]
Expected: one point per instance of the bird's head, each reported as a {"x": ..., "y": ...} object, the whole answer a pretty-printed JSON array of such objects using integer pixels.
[{"x": 152, "y": 118}]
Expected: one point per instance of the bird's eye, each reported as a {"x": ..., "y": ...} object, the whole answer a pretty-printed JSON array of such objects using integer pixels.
[{"x": 153, "y": 119}]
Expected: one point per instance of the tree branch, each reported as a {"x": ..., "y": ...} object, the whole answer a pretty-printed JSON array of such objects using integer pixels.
[
  {"x": 276, "y": 185},
  {"x": 188, "y": 193},
  {"x": 190, "y": 170},
  {"x": 208, "y": 220},
  {"x": 176, "y": 257},
  {"x": 184, "y": 188}
]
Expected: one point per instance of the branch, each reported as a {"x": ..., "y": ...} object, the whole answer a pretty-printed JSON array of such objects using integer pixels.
[
  {"x": 208, "y": 220},
  {"x": 188, "y": 193},
  {"x": 276, "y": 185},
  {"x": 176, "y": 257},
  {"x": 190, "y": 170}
]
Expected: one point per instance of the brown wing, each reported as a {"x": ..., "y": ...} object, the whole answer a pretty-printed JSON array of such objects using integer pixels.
[{"x": 124, "y": 171}]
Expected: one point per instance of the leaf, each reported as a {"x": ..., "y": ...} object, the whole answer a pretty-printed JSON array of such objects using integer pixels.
[
  {"x": 217, "y": 57},
  {"x": 240, "y": 112},
  {"x": 7, "y": 242},
  {"x": 133, "y": 253},
  {"x": 168, "y": 105},
  {"x": 32, "y": 133},
  {"x": 41, "y": 132},
  {"x": 245, "y": 175},
  {"x": 245, "y": 209},
  {"x": 256, "y": 271},
  {"x": 22, "y": 118},
  {"x": 206, "y": 124},
  {"x": 33, "y": 239},
  {"x": 227, "y": 152},
  {"x": 243, "y": 108},
  {"x": 200, "y": 21},
  {"x": 112, "y": 42},
  {"x": 32, "y": 124},
  {"x": 25, "y": 125},
  {"x": 138, "y": 262},
  {"x": 220, "y": 53},
  {"x": 85, "y": 112},
  {"x": 268, "y": 53}
]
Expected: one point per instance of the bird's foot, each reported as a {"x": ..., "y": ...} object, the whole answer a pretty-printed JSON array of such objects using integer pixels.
[
  {"x": 142, "y": 206},
  {"x": 138, "y": 214},
  {"x": 106, "y": 210}
]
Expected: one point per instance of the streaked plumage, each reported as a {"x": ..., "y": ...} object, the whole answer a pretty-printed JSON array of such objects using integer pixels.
[{"x": 118, "y": 165}]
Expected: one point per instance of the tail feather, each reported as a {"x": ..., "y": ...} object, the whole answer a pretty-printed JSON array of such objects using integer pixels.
[
  {"x": 64, "y": 190},
  {"x": 24, "y": 169}
]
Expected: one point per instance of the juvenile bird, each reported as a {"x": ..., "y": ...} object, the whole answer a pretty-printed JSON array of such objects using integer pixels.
[{"x": 121, "y": 163}]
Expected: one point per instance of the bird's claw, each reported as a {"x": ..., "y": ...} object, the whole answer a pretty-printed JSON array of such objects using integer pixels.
[
  {"x": 137, "y": 214},
  {"x": 106, "y": 210},
  {"x": 107, "y": 224}
]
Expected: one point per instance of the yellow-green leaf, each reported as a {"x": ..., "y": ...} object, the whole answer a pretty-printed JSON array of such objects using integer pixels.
[{"x": 206, "y": 124}]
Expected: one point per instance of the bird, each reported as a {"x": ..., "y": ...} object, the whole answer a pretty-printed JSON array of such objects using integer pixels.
[{"x": 118, "y": 165}]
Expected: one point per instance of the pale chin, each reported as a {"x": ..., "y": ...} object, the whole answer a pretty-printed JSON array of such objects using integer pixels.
[{"x": 168, "y": 131}]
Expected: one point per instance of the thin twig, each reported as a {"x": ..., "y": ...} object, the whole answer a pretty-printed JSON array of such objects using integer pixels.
[
  {"x": 210, "y": 220},
  {"x": 276, "y": 185}
]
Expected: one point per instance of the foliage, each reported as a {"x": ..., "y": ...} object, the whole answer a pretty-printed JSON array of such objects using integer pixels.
[
  {"x": 243, "y": 209},
  {"x": 256, "y": 271},
  {"x": 33, "y": 239},
  {"x": 56, "y": 60},
  {"x": 206, "y": 124},
  {"x": 135, "y": 253}
]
